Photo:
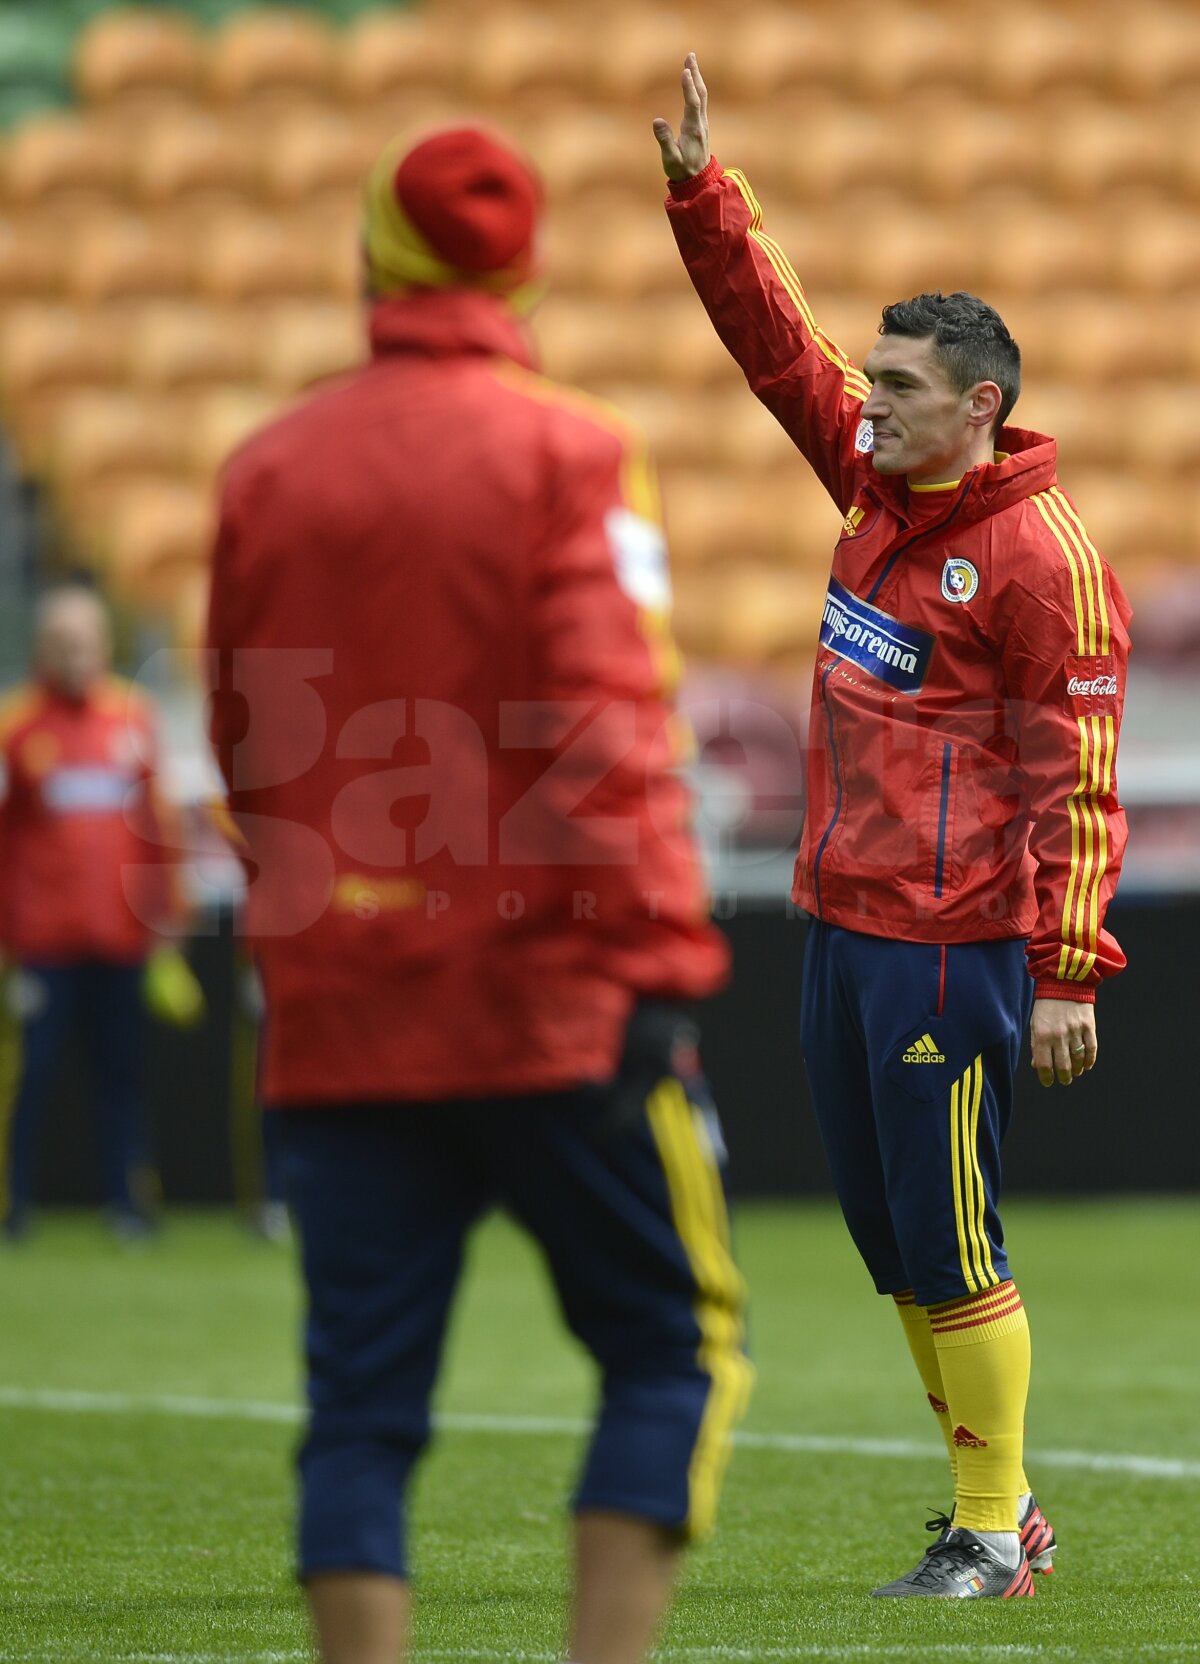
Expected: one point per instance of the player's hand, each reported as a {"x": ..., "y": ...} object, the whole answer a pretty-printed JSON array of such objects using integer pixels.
[
  {"x": 687, "y": 155},
  {"x": 1063, "y": 1035}
]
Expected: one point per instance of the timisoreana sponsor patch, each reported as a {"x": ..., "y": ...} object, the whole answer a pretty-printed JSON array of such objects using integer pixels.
[{"x": 896, "y": 653}]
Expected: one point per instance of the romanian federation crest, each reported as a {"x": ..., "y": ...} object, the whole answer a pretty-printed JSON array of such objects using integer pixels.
[{"x": 960, "y": 580}]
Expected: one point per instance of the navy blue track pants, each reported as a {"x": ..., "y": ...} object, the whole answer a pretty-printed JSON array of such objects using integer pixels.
[
  {"x": 623, "y": 1193},
  {"x": 911, "y": 1051}
]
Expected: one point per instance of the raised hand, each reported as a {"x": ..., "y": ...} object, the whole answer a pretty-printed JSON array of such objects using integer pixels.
[{"x": 686, "y": 155}]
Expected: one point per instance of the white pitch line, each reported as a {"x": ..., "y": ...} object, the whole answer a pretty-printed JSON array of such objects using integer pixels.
[{"x": 821, "y": 1444}]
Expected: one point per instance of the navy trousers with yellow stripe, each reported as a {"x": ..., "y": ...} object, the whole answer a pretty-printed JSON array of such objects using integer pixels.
[
  {"x": 622, "y": 1190},
  {"x": 911, "y": 1051}
]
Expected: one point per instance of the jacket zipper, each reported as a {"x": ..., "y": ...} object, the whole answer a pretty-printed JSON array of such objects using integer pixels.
[
  {"x": 925, "y": 531},
  {"x": 943, "y": 815},
  {"x": 837, "y": 805}
]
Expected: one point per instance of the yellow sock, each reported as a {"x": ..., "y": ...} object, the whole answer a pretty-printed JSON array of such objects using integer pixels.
[
  {"x": 982, "y": 1346},
  {"x": 914, "y": 1320}
]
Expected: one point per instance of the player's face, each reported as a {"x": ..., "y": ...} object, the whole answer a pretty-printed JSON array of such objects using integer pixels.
[
  {"x": 922, "y": 425},
  {"x": 73, "y": 645}
]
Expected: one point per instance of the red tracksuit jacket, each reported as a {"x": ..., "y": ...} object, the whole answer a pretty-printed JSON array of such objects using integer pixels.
[
  {"x": 443, "y": 722},
  {"x": 83, "y": 873},
  {"x": 970, "y": 675}
]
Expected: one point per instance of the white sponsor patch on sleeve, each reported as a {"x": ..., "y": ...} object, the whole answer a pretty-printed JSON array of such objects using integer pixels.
[
  {"x": 639, "y": 552},
  {"x": 864, "y": 439}
]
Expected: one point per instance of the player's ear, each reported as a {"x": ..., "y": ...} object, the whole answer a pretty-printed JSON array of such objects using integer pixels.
[{"x": 983, "y": 404}]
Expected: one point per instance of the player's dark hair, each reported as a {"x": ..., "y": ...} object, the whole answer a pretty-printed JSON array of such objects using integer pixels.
[{"x": 970, "y": 337}]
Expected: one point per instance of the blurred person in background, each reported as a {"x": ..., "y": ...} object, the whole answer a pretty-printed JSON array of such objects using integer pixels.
[
  {"x": 86, "y": 898},
  {"x": 963, "y": 836},
  {"x": 444, "y": 717}
]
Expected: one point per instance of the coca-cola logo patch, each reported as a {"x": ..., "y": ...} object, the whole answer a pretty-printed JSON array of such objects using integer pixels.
[{"x": 1092, "y": 682}]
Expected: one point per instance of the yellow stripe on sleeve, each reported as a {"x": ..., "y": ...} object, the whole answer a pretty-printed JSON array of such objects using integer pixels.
[
  {"x": 1039, "y": 503},
  {"x": 1091, "y": 554},
  {"x": 701, "y": 1220},
  {"x": 856, "y": 382},
  {"x": 1089, "y": 833},
  {"x": 1073, "y": 800},
  {"x": 1093, "y": 578}
]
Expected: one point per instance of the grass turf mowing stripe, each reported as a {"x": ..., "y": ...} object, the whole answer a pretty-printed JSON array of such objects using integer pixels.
[
  {"x": 683, "y": 1655},
  {"x": 290, "y": 1415}
]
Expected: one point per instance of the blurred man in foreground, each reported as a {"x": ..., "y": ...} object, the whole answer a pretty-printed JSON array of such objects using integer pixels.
[
  {"x": 963, "y": 836},
  {"x": 85, "y": 892},
  {"x": 443, "y": 715}
]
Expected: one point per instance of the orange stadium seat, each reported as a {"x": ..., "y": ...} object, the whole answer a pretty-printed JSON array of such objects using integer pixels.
[
  {"x": 1155, "y": 247},
  {"x": 834, "y": 146},
  {"x": 1089, "y": 145},
  {"x": 593, "y": 148},
  {"x": 32, "y": 260},
  {"x": 1088, "y": 426},
  {"x": 911, "y": 46},
  {"x": 680, "y": 348},
  {"x": 518, "y": 52},
  {"x": 188, "y": 616},
  {"x": 1127, "y": 519},
  {"x": 586, "y": 341},
  {"x": 316, "y": 161},
  {"x": 1018, "y": 245},
  {"x": 667, "y": 421},
  {"x": 643, "y": 63},
  {"x": 301, "y": 344},
  {"x": 892, "y": 249},
  {"x": 193, "y": 159},
  {"x": 122, "y": 257},
  {"x": 955, "y": 145},
  {"x": 47, "y": 353},
  {"x": 186, "y": 344},
  {"x": 625, "y": 248},
  {"x": 715, "y": 517},
  {"x": 217, "y": 420},
  {"x": 156, "y": 535},
  {"x": 100, "y": 439},
  {"x": 1026, "y": 49},
  {"x": 1154, "y": 49},
  {"x": 769, "y": 50},
  {"x": 256, "y": 256},
  {"x": 63, "y": 161},
  {"x": 259, "y": 50},
  {"x": 390, "y": 54},
  {"x": 132, "y": 50},
  {"x": 1159, "y": 432},
  {"x": 1092, "y": 337},
  {"x": 749, "y": 615}
]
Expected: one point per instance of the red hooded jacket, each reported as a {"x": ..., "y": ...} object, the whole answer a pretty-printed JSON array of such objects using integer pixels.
[
  {"x": 970, "y": 675},
  {"x": 83, "y": 873},
  {"x": 443, "y": 717}
]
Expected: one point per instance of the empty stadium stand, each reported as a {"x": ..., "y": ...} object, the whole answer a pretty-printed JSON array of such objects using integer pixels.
[{"x": 177, "y": 246}]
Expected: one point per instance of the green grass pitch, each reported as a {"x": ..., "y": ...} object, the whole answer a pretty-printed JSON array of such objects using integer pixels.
[{"x": 146, "y": 1426}]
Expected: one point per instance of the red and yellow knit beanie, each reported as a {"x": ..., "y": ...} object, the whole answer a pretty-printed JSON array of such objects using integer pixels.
[{"x": 460, "y": 209}]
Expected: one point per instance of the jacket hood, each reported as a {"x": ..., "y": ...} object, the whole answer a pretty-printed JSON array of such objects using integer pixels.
[
  {"x": 1025, "y": 465},
  {"x": 449, "y": 323}
]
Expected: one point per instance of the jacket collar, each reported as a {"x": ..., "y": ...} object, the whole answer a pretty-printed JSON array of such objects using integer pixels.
[
  {"x": 1025, "y": 465},
  {"x": 448, "y": 323}
]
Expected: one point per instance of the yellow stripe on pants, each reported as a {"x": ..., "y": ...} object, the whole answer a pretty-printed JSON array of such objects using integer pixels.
[{"x": 701, "y": 1220}]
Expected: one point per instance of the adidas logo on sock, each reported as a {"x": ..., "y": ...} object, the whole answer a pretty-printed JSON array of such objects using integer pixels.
[
  {"x": 923, "y": 1050},
  {"x": 963, "y": 1437},
  {"x": 936, "y": 1404}
]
